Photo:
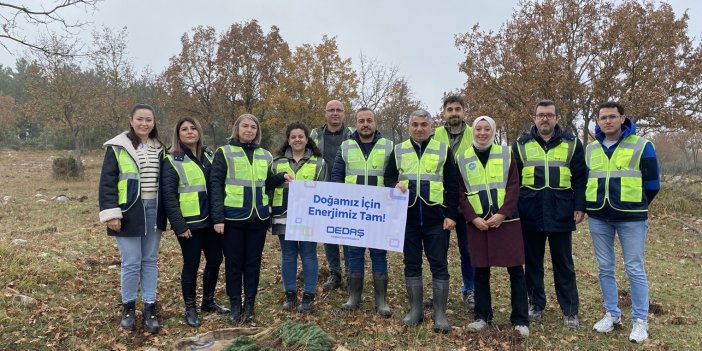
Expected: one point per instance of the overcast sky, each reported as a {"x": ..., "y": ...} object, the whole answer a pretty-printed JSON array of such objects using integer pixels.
[{"x": 417, "y": 36}]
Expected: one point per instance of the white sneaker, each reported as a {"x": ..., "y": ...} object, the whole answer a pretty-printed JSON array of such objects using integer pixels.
[
  {"x": 607, "y": 323},
  {"x": 477, "y": 326},
  {"x": 639, "y": 331},
  {"x": 523, "y": 330}
]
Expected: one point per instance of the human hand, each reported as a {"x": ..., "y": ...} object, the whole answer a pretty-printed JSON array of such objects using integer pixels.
[
  {"x": 289, "y": 177},
  {"x": 219, "y": 228},
  {"x": 186, "y": 234},
  {"x": 449, "y": 224},
  {"x": 115, "y": 224},
  {"x": 480, "y": 224},
  {"x": 578, "y": 216},
  {"x": 402, "y": 187},
  {"x": 495, "y": 220}
]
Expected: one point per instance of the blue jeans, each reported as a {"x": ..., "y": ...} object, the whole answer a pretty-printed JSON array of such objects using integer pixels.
[
  {"x": 310, "y": 266},
  {"x": 379, "y": 260},
  {"x": 333, "y": 259},
  {"x": 632, "y": 236},
  {"x": 139, "y": 255},
  {"x": 467, "y": 270}
]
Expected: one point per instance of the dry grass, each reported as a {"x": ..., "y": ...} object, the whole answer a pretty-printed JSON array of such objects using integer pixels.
[{"x": 71, "y": 268}]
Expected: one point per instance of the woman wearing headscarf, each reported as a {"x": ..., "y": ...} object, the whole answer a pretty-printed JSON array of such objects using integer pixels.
[
  {"x": 240, "y": 177},
  {"x": 490, "y": 193}
]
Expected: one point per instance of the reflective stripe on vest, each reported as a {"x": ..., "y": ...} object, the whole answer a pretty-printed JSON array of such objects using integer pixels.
[
  {"x": 360, "y": 170},
  {"x": 616, "y": 180},
  {"x": 310, "y": 170},
  {"x": 424, "y": 177},
  {"x": 192, "y": 189},
  {"x": 245, "y": 184},
  {"x": 546, "y": 169},
  {"x": 485, "y": 185},
  {"x": 441, "y": 134},
  {"x": 129, "y": 183}
]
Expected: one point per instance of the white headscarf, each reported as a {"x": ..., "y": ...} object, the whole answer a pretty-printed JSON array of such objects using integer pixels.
[{"x": 491, "y": 122}]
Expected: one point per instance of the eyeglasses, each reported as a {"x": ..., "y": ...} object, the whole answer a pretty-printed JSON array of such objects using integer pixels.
[
  {"x": 546, "y": 116},
  {"x": 608, "y": 117},
  {"x": 337, "y": 110}
]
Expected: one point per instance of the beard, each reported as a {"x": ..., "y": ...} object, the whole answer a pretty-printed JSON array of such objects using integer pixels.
[{"x": 455, "y": 121}]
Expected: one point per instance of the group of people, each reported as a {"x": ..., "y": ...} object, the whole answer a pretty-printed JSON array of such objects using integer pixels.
[{"x": 503, "y": 202}]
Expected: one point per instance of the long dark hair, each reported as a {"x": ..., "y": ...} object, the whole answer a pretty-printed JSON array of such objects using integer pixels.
[
  {"x": 176, "y": 147},
  {"x": 132, "y": 134},
  {"x": 310, "y": 143}
]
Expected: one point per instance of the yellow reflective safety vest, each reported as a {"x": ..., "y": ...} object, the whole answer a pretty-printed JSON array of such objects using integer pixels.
[
  {"x": 486, "y": 186},
  {"x": 245, "y": 183},
  {"x": 546, "y": 169},
  {"x": 317, "y": 135},
  {"x": 192, "y": 188},
  {"x": 129, "y": 183},
  {"x": 360, "y": 170},
  {"x": 424, "y": 177},
  {"x": 310, "y": 170},
  {"x": 442, "y": 134},
  {"x": 616, "y": 180}
]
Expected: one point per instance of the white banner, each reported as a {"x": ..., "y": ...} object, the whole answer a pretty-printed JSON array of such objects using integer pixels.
[{"x": 347, "y": 214}]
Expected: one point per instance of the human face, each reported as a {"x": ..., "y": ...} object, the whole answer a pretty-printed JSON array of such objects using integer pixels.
[
  {"x": 247, "y": 130},
  {"x": 188, "y": 134},
  {"x": 453, "y": 114},
  {"x": 419, "y": 128},
  {"x": 143, "y": 123},
  {"x": 482, "y": 133},
  {"x": 610, "y": 122},
  {"x": 545, "y": 120},
  {"x": 365, "y": 125},
  {"x": 297, "y": 140},
  {"x": 334, "y": 113}
]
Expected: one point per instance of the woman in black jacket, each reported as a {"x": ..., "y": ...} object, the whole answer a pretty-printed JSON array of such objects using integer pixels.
[
  {"x": 129, "y": 207},
  {"x": 184, "y": 180},
  {"x": 240, "y": 176}
]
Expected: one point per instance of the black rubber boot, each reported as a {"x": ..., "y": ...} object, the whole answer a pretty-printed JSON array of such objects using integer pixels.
[
  {"x": 128, "y": 316},
  {"x": 290, "y": 300},
  {"x": 414, "y": 293},
  {"x": 441, "y": 291},
  {"x": 355, "y": 284},
  {"x": 306, "y": 304},
  {"x": 150, "y": 321},
  {"x": 380, "y": 285},
  {"x": 249, "y": 303},
  {"x": 209, "y": 283},
  {"x": 235, "y": 312}
]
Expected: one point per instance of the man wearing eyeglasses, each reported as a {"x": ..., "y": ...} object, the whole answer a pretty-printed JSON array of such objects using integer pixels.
[
  {"x": 552, "y": 173},
  {"x": 621, "y": 183},
  {"x": 329, "y": 138}
]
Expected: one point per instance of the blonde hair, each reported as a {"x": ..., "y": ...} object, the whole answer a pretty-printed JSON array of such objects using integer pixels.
[{"x": 235, "y": 129}]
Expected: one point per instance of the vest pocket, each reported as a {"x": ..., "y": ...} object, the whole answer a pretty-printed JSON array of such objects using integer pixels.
[
  {"x": 591, "y": 190},
  {"x": 189, "y": 204},
  {"x": 234, "y": 196},
  {"x": 632, "y": 189}
]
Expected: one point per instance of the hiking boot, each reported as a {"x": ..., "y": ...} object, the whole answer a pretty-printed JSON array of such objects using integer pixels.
[
  {"x": 128, "y": 321},
  {"x": 150, "y": 321},
  {"x": 290, "y": 300},
  {"x": 607, "y": 323},
  {"x": 469, "y": 300},
  {"x": 333, "y": 282},
  {"x": 571, "y": 322},
  {"x": 306, "y": 304},
  {"x": 535, "y": 313}
]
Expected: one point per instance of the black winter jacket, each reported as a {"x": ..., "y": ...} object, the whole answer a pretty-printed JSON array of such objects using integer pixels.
[
  {"x": 218, "y": 175},
  {"x": 550, "y": 210},
  {"x": 133, "y": 220},
  {"x": 169, "y": 189}
]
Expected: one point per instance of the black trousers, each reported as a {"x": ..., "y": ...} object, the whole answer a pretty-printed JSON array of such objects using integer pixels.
[
  {"x": 483, "y": 298},
  {"x": 561, "y": 247},
  {"x": 201, "y": 240},
  {"x": 242, "y": 243},
  {"x": 434, "y": 242}
]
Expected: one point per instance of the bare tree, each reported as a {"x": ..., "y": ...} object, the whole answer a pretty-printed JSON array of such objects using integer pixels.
[{"x": 17, "y": 18}]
